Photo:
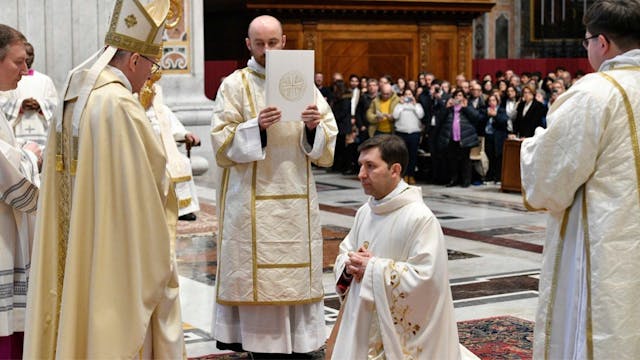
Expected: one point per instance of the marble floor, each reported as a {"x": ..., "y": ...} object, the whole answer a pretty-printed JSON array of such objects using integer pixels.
[{"x": 494, "y": 246}]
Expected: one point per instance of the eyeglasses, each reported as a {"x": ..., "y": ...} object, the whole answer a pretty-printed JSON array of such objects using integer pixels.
[
  {"x": 585, "y": 41},
  {"x": 155, "y": 67}
]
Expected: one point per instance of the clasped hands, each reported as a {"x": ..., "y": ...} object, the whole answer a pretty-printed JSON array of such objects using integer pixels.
[
  {"x": 271, "y": 115},
  {"x": 30, "y": 104},
  {"x": 357, "y": 262}
]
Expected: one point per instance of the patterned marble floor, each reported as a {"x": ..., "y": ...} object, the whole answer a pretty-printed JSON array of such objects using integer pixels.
[{"x": 494, "y": 247}]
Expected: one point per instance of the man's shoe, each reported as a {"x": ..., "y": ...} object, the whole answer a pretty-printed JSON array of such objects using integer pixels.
[
  {"x": 188, "y": 217},
  {"x": 451, "y": 184}
]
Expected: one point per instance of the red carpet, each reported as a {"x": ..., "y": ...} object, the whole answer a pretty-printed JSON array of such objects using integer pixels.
[{"x": 502, "y": 337}]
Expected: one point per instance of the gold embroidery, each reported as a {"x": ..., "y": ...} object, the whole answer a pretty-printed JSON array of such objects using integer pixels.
[
  {"x": 63, "y": 184},
  {"x": 400, "y": 311},
  {"x": 184, "y": 203},
  {"x": 130, "y": 21}
]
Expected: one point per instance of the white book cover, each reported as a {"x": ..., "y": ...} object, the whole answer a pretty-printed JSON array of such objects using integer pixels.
[{"x": 289, "y": 79}]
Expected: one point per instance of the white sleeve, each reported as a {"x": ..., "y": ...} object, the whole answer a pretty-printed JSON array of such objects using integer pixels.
[
  {"x": 319, "y": 142},
  {"x": 246, "y": 145}
]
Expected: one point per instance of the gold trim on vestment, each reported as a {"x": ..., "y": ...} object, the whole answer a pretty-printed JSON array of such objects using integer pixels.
[
  {"x": 309, "y": 223},
  {"x": 133, "y": 45},
  {"x": 253, "y": 72},
  {"x": 247, "y": 89},
  {"x": 632, "y": 126},
  {"x": 75, "y": 144},
  {"x": 181, "y": 179},
  {"x": 288, "y": 302},
  {"x": 223, "y": 199},
  {"x": 254, "y": 240},
  {"x": 225, "y": 145},
  {"x": 283, "y": 266},
  {"x": 63, "y": 183},
  {"x": 554, "y": 283},
  {"x": 281, "y": 197},
  {"x": 184, "y": 203},
  {"x": 59, "y": 157},
  {"x": 526, "y": 203},
  {"x": 587, "y": 254}
]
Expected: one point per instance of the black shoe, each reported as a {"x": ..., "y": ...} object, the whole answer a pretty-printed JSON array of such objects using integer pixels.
[
  {"x": 350, "y": 172},
  {"x": 451, "y": 184},
  {"x": 188, "y": 217}
]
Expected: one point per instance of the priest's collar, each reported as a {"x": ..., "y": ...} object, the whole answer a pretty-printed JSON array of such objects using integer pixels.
[
  {"x": 395, "y": 192},
  {"x": 121, "y": 76},
  {"x": 629, "y": 58},
  {"x": 256, "y": 68}
]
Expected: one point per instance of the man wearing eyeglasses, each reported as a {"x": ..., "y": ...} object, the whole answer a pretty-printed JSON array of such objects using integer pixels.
[
  {"x": 585, "y": 170},
  {"x": 104, "y": 280}
]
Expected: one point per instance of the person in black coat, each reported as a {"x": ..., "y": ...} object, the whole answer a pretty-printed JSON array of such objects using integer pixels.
[
  {"x": 495, "y": 131},
  {"x": 529, "y": 114},
  {"x": 341, "y": 107},
  {"x": 457, "y": 123}
]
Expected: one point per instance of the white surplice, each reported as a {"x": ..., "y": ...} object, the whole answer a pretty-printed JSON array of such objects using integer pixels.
[
  {"x": 170, "y": 130},
  {"x": 584, "y": 169},
  {"x": 269, "y": 293},
  {"x": 402, "y": 308},
  {"x": 30, "y": 125},
  {"x": 19, "y": 181}
]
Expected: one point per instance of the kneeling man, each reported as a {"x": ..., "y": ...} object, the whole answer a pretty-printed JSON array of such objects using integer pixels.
[{"x": 394, "y": 263}]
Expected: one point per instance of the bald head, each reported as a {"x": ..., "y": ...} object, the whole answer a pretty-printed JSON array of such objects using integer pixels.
[
  {"x": 264, "y": 22},
  {"x": 264, "y": 33}
]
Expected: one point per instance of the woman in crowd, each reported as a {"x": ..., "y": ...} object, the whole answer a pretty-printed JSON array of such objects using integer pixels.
[
  {"x": 529, "y": 114},
  {"x": 487, "y": 89},
  {"x": 510, "y": 103},
  {"x": 495, "y": 134},
  {"x": 457, "y": 135},
  {"x": 408, "y": 114},
  {"x": 399, "y": 86}
]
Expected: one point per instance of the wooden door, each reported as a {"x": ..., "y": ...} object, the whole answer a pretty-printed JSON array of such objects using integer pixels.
[{"x": 372, "y": 58}]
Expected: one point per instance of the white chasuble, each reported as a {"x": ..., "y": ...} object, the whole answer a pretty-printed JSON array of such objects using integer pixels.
[
  {"x": 269, "y": 237},
  {"x": 103, "y": 270},
  {"x": 402, "y": 308},
  {"x": 584, "y": 169}
]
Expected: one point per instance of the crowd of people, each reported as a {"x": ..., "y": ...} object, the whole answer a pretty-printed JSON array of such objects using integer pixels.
[{"x": 441, "y": 122}]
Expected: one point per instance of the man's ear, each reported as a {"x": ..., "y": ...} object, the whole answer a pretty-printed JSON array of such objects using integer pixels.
[
  {"x": 247, "y": 41},
  {"x": 284, "y": 40},
  {"x": 396, "y": 169},
  {"x": 133, "y": 61}
]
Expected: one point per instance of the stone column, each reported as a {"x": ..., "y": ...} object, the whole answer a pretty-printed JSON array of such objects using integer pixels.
[{"x": 183, "y": 79}]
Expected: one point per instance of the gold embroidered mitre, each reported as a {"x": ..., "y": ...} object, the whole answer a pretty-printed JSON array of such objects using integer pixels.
[{"x": 137, "y": 27}]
